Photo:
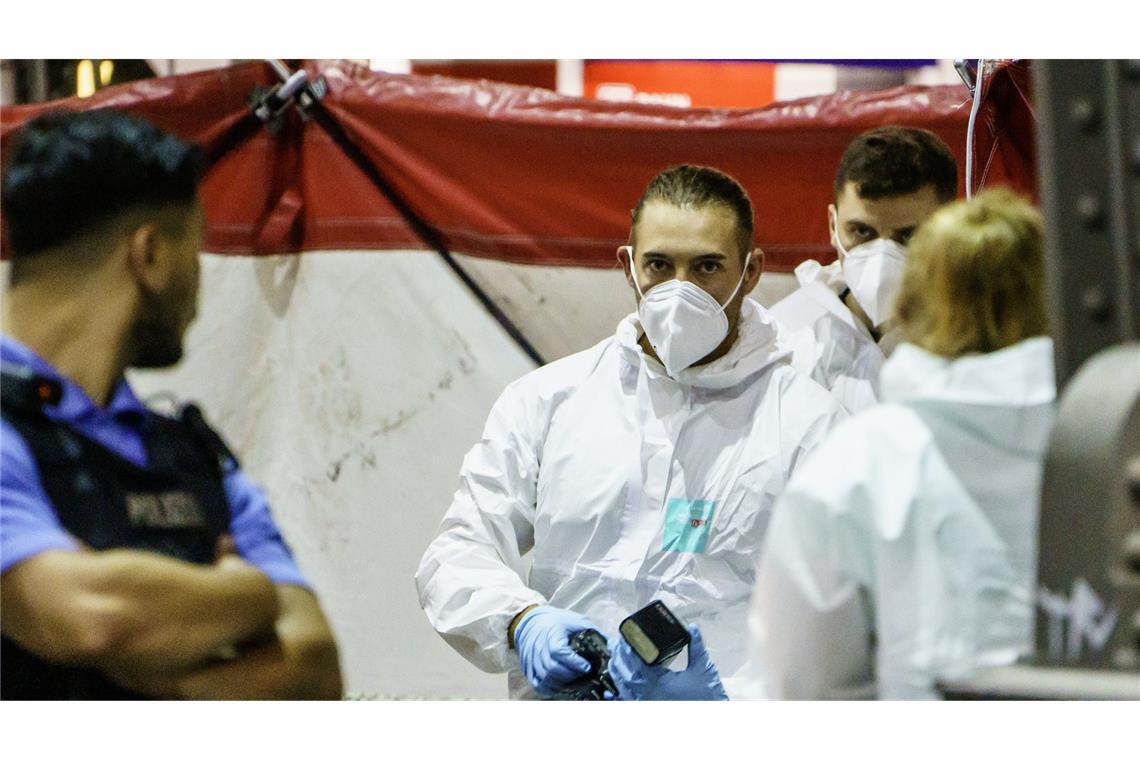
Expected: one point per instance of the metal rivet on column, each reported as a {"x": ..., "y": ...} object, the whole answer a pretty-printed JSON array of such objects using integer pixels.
[
  {"x": 1095, "y": 303},
  {"x": 1084, "y": 115},
  {"x": 1089, "y": 211}
]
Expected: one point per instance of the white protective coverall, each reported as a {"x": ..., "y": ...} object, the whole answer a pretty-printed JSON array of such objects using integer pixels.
[
  {"x": 903, "y": 552},
  {"x": 629, "y": 486},
  {"x": 829, "y": 343}
]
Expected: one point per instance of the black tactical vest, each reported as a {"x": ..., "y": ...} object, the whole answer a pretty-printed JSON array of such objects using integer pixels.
[{"x": 176, "y": 506}]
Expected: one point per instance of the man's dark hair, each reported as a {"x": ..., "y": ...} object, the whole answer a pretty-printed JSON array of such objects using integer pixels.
[
  {"x": 892, "y": 160},
  {"x": 71, "y": 172},
  {"x": 689, "y": 186}
]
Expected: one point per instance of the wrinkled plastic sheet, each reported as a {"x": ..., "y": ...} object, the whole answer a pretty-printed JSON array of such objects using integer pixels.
[{"x": 522, "y": 174}]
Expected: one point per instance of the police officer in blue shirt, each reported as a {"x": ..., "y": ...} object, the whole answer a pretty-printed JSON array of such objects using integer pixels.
[{"x": 137, "y": 559}]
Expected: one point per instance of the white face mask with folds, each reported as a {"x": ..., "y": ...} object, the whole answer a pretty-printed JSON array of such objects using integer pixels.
[
  {"x": 873, "y": 271},
  {"x": 683, "y": 323}
]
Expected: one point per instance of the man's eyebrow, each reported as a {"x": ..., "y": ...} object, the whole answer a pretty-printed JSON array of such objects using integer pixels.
[{"x": 707, "y": 256}]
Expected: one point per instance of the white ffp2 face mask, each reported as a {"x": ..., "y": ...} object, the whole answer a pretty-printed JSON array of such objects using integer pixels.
[
  {"x": 874, "y": 273},
  {"x": 683, "y": 323}
]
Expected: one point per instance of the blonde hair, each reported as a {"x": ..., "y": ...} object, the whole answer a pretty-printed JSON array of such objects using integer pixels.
[{"x": 974, "y": 278}]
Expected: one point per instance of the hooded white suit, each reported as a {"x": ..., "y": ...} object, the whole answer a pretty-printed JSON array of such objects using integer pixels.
[
  {"x": 904, "y": 551},
  {"x": 629, "y": 486}
]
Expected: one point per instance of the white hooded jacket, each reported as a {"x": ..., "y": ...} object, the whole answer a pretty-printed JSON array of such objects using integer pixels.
[
  {"x": 829, "y": 343},
  {"x": 903, "y": 552},
  {"x": 629, "y": 486}
]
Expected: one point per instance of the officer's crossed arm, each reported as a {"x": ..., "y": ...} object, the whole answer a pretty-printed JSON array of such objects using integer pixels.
[
  {"x": 158, "y": 625},
  {"x": 131, "y": 609},
  {"x": 299, "y": 661}
]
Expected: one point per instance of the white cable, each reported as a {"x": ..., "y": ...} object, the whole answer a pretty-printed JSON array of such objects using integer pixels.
[{"x": 980, "y": 75}]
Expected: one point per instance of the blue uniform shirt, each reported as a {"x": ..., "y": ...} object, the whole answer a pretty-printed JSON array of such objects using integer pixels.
[{"x": 28, "y": 521}]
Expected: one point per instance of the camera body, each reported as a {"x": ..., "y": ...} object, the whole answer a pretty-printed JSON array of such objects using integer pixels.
[{"x": 592, "y": 646}]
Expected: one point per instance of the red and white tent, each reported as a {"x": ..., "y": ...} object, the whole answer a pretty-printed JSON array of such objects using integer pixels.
[{"x": 352, "y": 366}]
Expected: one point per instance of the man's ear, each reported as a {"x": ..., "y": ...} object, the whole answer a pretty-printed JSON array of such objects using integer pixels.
[
  {"x": 754, "y": 269},
  {"x": 624, "y": 256},
  {"x": 143, "y": 257},
  {"x": 832, "y": 223}
]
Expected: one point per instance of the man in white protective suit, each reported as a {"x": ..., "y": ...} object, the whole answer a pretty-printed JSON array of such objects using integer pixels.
[
  {"x": 904, "y": 552},
  {"x": 889, "y": 180},
  {"x": 643, "y": 468}
]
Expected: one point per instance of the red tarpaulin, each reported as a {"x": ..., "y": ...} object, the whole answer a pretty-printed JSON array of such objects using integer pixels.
[{"x": 523, "y": 174}]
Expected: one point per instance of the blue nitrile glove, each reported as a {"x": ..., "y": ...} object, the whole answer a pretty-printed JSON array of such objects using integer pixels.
[
  {"x": 636, "y": 680},
  {"x": 542, "y": 639}
]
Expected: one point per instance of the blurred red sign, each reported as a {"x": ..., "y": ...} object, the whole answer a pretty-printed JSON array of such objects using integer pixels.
[{"x": 713, "y": 84}]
